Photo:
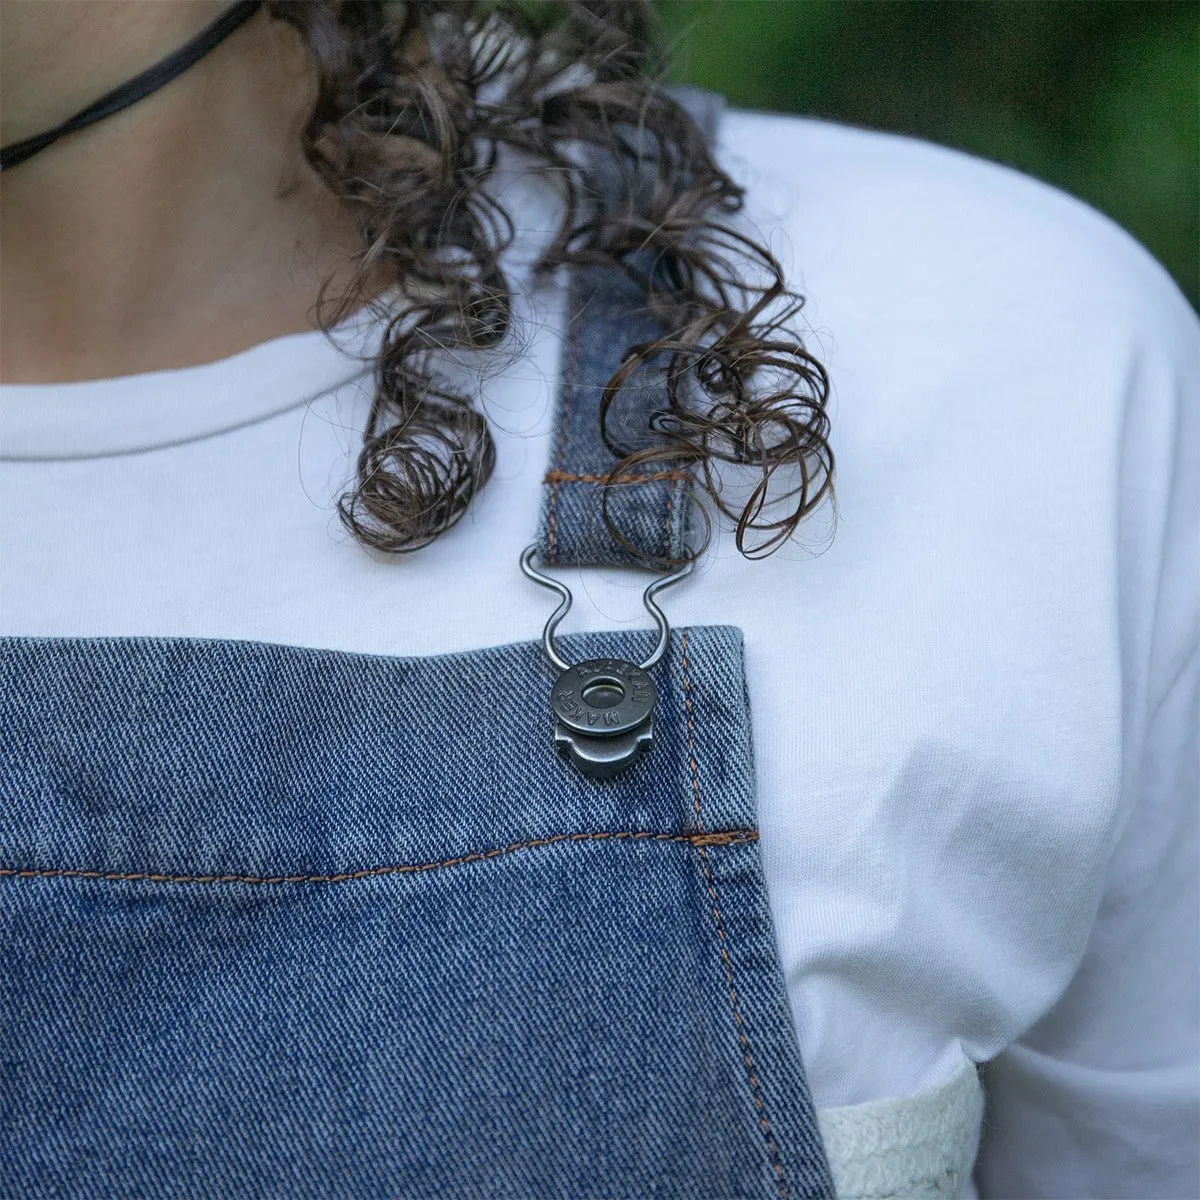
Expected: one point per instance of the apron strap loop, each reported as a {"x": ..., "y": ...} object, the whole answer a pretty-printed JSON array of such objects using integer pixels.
[{"x": 608, "y": 314}]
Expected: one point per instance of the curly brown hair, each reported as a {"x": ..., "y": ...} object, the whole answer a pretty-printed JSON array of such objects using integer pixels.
[{"x": 414, "y": 101}]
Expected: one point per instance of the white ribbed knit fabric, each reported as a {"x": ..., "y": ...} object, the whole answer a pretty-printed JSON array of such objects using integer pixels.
[{"x": 918, "y": 1147}]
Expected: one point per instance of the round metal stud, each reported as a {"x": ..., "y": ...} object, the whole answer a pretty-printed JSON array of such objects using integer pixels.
[{"x": 603, "y": 697}]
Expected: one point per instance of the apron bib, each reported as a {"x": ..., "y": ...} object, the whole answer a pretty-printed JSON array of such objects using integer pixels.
[{"x": 289, "y": 922}]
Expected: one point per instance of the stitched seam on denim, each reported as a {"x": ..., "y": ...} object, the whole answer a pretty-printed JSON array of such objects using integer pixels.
[
  {"x": 568, "y": 386},
  {"x": 726, "y": 837},
  {"x": 687, "y": 704},
  {"x": 557, "y": 476},
  {"x": 667, "y": 523},
  {"x": 727, "y": 964}
]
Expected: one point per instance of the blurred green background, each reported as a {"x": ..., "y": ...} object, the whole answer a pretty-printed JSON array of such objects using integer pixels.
[{"x": 1098, "y": 97}]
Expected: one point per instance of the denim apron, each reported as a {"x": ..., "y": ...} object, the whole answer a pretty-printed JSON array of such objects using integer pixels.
[{"x": 279, "y": 921}]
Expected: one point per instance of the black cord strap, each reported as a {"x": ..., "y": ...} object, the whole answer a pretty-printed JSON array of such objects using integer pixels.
[{"x": 137, "y": 88}]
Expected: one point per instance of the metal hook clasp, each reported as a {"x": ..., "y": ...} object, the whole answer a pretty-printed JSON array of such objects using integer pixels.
[{"x": 660, "y": 620}]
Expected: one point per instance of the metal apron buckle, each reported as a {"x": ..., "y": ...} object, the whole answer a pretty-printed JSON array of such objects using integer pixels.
[{"x": 603, "y": 708}]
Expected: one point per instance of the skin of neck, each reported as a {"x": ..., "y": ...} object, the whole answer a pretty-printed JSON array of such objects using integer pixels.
[{"x": 185, "y": 228}]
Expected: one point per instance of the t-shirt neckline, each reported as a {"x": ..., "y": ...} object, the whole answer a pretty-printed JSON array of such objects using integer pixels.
[{"x": 131, "y": 414}]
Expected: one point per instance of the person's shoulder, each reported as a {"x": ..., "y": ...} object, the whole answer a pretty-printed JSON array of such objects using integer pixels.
[{"x": 937, "y": 238}]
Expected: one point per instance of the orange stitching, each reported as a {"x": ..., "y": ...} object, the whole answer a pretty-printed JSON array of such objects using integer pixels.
[
  {"x": 727, "y": 837},
  {"x": 755, "y": 1090},
  {"x": 687, "y": 703},
  {"x": 670, "y": 506},
  {"x": 557, "y": 476},
  {"x": 565, "y": 400}
]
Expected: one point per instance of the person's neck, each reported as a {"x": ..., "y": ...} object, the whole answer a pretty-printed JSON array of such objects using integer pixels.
[{"x": 181, "y": 230}]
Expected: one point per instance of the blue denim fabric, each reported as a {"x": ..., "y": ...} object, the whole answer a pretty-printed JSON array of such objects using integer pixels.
[
  {"x": 288, "y": 922},
  {"x": 608, "y": 315}
]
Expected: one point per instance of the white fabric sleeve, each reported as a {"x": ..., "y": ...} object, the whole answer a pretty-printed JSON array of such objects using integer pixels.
[{"x": 1101, "y": 1098}]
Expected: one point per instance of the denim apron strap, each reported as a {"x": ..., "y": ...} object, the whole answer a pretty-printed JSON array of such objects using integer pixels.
[{"x": 608, "y": 314}]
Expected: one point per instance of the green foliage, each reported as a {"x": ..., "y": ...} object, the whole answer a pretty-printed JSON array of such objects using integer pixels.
[{"x": 1099, "y": 97}]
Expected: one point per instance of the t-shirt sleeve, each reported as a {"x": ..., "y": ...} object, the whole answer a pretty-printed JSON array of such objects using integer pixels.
[{"x": 1101, "y": 1097}]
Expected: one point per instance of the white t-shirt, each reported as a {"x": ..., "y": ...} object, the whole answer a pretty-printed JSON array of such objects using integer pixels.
[{"x": 974, "y": 707}]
